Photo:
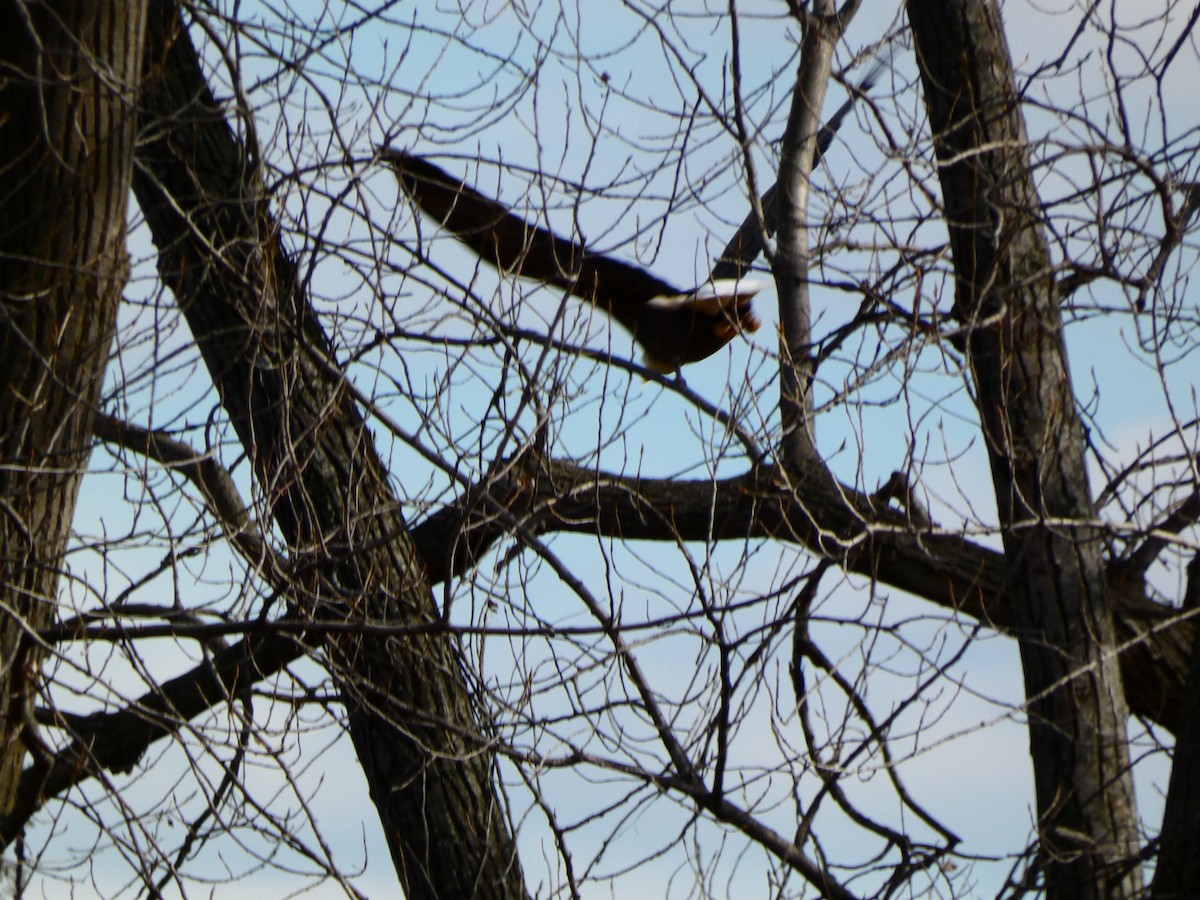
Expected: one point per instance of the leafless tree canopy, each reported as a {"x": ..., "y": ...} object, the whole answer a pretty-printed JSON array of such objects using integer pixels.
[{"x": 338, "y": 558}]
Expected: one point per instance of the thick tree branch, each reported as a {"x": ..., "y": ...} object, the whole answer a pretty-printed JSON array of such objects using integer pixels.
[
  {"x": 1177, "y": 875},
  {"x": 114, "y": 742},
  {"x": 750, "y": 240},
  {"x": 1183, "y": 516},
  {"x": 1177, "y": 223},
  {"x": 879, "y": 543},
  {"x": 418, "y": 730},
  {"x": 790, "y": 261},
  {"x": 834, "y": 520},
  {"x": 209, "y": 476}
]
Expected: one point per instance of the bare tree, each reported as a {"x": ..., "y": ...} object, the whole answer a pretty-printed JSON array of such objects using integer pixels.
[{"x": 737, "y": 629}]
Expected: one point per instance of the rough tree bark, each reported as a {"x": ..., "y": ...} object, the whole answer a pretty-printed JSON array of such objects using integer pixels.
[
  {"x": 418, "y": 732},
  {"x": 1007, "y": 303},
  {"x": 69, "y": 74},
  {"x": 1177, "y": 874}
]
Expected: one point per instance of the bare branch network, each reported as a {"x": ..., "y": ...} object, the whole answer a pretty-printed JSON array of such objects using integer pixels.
[{"x": 504, "y": 450}]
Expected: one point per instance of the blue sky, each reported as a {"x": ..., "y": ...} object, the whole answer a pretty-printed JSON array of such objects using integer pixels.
[{"x": 618, "y": 107}]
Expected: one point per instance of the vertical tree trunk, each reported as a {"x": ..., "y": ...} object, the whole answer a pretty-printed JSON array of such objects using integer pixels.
[
  {"x": 1005, "y": 299},
  {"x": 790, "y": 264},
  {"x": 417, "y": 729},
  {"x": 1177, "y": 875},
  {"x": 68, "y": 86}
]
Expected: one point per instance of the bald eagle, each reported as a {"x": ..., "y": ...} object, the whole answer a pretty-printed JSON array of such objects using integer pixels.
[{"x": 672, "y": 326}]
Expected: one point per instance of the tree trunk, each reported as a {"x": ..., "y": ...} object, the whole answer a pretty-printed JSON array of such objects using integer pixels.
[
  {"x": 420, "y": 736},
  {"x": 790, "y": 264},
  {"x": 1177, "y": 875},
  {"x": 1007, "y": 304},
  {"x": 68, "y": 92}
]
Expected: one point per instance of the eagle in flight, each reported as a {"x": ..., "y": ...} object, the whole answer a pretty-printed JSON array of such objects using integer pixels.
[{"x": 672, "y": 326}]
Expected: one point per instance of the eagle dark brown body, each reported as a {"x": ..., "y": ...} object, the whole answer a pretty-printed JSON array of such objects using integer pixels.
[{"x": 673, "y": 327}]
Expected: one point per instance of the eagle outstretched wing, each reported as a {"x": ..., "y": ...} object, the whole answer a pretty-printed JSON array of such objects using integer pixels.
[{"x": 673, "y": 327}]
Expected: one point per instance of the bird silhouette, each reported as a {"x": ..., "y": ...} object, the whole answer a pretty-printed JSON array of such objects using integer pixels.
[{"x": 673, "y": 326}]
